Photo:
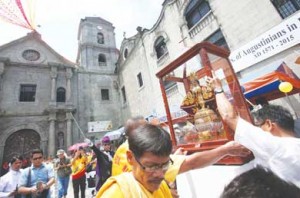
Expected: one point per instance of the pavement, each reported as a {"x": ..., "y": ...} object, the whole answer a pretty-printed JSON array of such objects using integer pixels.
[{"x": 88, "y": 191}]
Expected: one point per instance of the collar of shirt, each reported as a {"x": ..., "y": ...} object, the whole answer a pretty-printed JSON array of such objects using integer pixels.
[
  {"x": 42, "y": 166},
  {"x": 14, "y": 172}
]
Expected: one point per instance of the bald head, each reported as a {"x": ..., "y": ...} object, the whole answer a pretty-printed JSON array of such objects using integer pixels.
[{"x": 133, "y": 123}]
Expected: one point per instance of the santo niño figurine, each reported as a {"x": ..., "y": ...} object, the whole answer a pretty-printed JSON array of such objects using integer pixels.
[{"x": 200, "y": 103}]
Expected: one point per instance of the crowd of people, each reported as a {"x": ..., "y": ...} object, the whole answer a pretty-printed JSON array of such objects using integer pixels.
[
  {"x": 37, "y": 179},
  {"x": 146, "y": 165},
  {"x": 5, "y": 165},
  {"x": 34, "y": 180}
]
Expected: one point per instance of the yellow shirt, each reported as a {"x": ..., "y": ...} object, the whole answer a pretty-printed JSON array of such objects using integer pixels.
[
  {"x": 120, "y": 163},
  {"x": 173, "y": 169},
  {"x": 126, "y": 186},
  {"x": 78, "y": 167},
  {"x": 92, "y": 161}
]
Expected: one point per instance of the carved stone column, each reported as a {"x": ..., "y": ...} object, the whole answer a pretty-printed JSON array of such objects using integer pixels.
[
  {"x": 1, "y": 155},
  {"x": 51, "y": 138},
  {"x": 69, "y": 75},
  {"x": 1, "y": 72},
  {"x": 53, "y": 76},
  {"x": 1, "y": 84},
  {"x": 69, "y": 129},
  {"x": 1, "y": 68}
]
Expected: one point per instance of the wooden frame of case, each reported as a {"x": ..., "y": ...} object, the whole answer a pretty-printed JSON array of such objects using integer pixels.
[{"x": 203, "y": 50}]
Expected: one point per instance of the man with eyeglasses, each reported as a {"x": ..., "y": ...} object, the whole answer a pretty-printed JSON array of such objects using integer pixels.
[
  {"x": 37, "y": 179},
  {"x": 272, "y": 140},
  {"x": 149, "y": 155}
]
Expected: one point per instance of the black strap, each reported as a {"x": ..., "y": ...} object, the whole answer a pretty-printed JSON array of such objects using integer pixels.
[
  {"x": 29, "y": 178},
  {"x": 28, "y": 182},
  {"x": 44, "y": 194}
]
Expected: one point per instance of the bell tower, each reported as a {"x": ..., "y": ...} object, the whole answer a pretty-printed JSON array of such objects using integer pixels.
[
  {"x": 98, "y": 95},
  {"x": 97, "y": 46}
]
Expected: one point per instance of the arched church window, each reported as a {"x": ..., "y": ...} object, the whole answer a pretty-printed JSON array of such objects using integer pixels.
[
  {"x": 61, "y": 95},
  {"x": 102, "y": 60},
  {"x": 160, "y": 47},
  {"x": 100, "y": 38},
  {"x": 195, "y": 11}
]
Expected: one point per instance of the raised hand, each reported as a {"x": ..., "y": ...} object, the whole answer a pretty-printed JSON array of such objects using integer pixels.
[{"x": 88, "y": 141}]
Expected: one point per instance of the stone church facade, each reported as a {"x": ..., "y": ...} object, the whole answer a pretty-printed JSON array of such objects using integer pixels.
[
  {"x": 43, "y": 96},
  {"x": 184, "y": 23}
]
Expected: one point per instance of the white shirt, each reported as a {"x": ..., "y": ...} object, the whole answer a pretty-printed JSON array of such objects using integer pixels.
[
  {"x": 9, "y": 182},
  {"x": 110, "y": 158},
  {"x": 279, "y": 154}
]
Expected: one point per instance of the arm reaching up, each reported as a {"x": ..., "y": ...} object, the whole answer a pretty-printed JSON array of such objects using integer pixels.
[{"x": 225, "y": 108}]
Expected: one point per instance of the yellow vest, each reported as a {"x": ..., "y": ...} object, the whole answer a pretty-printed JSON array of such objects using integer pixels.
[
  {"x": 120, "y": 163},
  {"x": 126, "y": 186}
]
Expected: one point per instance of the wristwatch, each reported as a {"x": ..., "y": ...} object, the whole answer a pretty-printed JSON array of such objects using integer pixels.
[{"x": 218, "y": 90}]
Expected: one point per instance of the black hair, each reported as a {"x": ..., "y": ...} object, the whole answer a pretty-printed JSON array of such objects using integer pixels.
[
  {"x": 277, "y": 114},
  {"x": 15, "y": 158},
  {"x": 260, "y": 183},
  {"x": 36, "y": 151},
  {"x": 150, "y": 138}
]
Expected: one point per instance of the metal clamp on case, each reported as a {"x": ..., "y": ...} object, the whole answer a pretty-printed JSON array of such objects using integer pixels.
[{"x": 218, "y": 90}]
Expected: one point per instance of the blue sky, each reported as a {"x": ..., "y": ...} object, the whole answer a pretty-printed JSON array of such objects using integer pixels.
[{"x": 59, "y": 20}]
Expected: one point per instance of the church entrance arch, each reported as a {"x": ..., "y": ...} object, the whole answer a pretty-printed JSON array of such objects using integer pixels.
[{"x": 21, "y": 143}]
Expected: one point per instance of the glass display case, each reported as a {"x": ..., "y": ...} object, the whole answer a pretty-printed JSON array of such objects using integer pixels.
[{"x": 200, "y": 127}]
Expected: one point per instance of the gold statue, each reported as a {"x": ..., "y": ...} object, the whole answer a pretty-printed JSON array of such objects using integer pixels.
[
  {"x": 198, "y": 95},
  {"x": 199, "y": 102}
]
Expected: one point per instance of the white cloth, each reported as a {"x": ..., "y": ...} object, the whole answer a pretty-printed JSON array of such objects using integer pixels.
[
  {"x": 279, "y": 154},
  {"x": 110, "y": 158},
  {"x": 9, "y": 182}
]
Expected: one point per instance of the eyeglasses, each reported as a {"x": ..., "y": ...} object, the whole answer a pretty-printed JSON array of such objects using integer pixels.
[
  {"x": 106, "y": 144},
  {"x": 37, "y": 158},
  {"x": 151, "y": 169}
]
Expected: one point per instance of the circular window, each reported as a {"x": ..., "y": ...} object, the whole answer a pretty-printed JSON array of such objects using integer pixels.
[{"x": 31, "y": 55}]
